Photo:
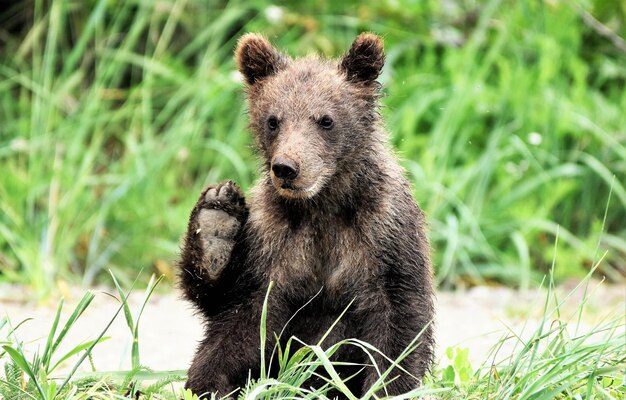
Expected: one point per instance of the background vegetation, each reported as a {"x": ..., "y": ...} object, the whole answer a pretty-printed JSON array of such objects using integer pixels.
[{"x": 508, "y": 115}]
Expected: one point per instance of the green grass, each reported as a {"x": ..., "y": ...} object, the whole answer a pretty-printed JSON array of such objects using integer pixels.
[
  {"x": 508, "y": 115},
  {"x": 557, "y": 360}
]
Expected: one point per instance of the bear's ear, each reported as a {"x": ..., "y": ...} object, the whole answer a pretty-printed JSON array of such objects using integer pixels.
[
  {"x": 365, "y": 59},
  {"x": 257, "y": 59}
]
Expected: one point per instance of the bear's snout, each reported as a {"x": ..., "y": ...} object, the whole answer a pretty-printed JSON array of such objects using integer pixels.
[
  {"x": 285, "y": 168},
  {"x": 298, "y": 176}
]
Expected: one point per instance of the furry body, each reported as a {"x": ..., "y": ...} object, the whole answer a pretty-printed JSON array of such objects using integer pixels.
[{"x": 331, "y": 215}]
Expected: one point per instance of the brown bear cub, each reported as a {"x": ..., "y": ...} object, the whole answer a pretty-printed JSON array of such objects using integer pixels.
[{"x": 330, "y": 222}]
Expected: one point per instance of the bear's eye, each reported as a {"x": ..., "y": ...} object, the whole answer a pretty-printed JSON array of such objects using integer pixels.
[
  {"x": 272, "y": 123},
  {"x": 326, "y": 122}
]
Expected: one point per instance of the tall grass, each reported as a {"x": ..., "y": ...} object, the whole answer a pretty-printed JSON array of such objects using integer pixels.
[{"x": 508, "y": 116}]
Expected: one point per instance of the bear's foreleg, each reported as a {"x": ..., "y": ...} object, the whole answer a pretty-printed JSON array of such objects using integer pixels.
[
  {"x": 208, "y": 268},
  {"x": 402, "y": 319},
  {"x": 229, "y": 354}
]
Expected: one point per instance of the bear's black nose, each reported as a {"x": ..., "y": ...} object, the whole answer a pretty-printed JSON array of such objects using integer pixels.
[{"x": 284, "y": 168}]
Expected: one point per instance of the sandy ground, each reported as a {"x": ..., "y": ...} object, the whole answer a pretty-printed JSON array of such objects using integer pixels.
[{"x": 169, "y": 331}]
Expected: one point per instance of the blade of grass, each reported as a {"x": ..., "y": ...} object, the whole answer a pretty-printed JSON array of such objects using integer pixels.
[
  {"x": 78, "y": 311},
  {"x": 263, "y": 333},
  {"x": 48, "y": 349}
]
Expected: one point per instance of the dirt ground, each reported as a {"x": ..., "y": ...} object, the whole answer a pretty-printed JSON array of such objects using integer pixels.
[{"x": 169, "y": 331}]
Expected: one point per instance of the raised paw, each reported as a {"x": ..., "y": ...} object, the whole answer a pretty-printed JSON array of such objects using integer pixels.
[
  {"x": 216, "y": 220},
  {"x": 224, "y": 196}
]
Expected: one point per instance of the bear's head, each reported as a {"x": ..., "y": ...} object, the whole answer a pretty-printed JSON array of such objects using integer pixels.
[{"x": 311, "y": 117}]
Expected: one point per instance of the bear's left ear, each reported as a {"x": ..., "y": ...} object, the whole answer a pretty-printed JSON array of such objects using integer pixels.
[
  {"x": 364, "y": 60},
  {"x": 257, "y": 59}
]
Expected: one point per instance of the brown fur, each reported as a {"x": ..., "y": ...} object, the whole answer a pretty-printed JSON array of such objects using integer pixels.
[{"x": 344, "y": 225}]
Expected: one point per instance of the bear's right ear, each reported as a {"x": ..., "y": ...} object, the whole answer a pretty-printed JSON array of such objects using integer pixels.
[{"x": 257, "y": 59}]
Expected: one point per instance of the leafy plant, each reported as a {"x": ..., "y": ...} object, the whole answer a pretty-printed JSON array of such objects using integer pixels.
[{"x": 460, "y": 370}]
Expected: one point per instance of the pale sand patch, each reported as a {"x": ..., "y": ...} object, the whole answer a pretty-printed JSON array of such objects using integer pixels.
[{"x": 169, "y": 330}]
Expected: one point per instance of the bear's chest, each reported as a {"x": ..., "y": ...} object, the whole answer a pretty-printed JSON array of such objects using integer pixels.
[{"x": 331, "y": 256}]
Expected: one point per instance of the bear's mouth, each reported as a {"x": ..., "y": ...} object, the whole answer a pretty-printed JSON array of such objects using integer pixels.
[
  {"x": 302, "y": 188},
  {"x": 288, "y": 190}
]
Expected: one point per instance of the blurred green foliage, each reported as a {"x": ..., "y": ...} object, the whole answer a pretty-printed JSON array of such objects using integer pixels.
[{"x": 508, "y": 115}]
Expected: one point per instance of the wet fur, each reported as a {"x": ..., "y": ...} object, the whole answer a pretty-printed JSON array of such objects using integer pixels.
[{"x": 360, "y": 237}]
